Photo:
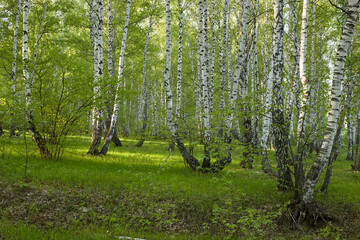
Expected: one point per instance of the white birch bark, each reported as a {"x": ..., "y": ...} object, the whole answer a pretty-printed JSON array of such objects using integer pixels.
[
  {"x": 240, "y": 63},
  {"x": 111, "y": 72},
  {"x": 338, "y": 76},
  {"x": 223, "y": 57},
  {"x": 29, "y": 82},
  {"x": 169, "y": 102},
  {"x": 145, "y": 95},
  {"x": 179, "y": 67},
  {"x": 302, "y": 66},
  {"x": 230, "y": 59},
  {"x": 200, "y": 58},
  {"x": 255, "y": 81},
  {"x": 280, "y": 136},
  {"x": 269, "y": 77},
  {"x": 212, "y": 68},
  {"x": 14, "y": 67},
  {"x": 298, "y": 161},
  {"x": 293, "y": 101},
  {"x": 116, "y": 107},
  {"x": 98, "y": 77},
  {"x": 313, "y": 84},
  {"x": 205, "y": 87}
]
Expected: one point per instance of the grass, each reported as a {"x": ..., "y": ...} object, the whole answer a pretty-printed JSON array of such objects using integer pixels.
[{"x": 126, "y": 193}]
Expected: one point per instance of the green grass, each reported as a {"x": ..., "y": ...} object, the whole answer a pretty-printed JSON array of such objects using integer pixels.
[{"x": 127, "y": 193}]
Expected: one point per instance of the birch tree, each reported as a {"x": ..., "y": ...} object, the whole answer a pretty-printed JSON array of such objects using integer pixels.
[
  {"x": 98, "y": 77},
  {"x": 111, "y": 69},
  {"x": 223, "y": 57},
  {"x": 276, "y": 73},
  {"x": 293, "y": 100},
  {"x": 307, "y": 207},
  {"x": 146, "y": 101},
  {"x": 179, "y": 67},
  {"x": 14, "y": 67},
  {"x": 114, "y": 116},
  {"x": 298, "y": 161},
  {"x": 29, "y": 82}
]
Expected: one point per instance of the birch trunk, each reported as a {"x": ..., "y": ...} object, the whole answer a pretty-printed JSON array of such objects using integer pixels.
[
  {"x": 345, "y": 104},
  {"x": 338, "y": 76},
  {"x": 146, "y": 101},
  {"x": 255, "y": 81},
  {"x": 213, "y": 51},
  {"x": 98, "y": 77},
  {"x": 205, "y": 87},
  {"x": 223, "y": 58},
  {"x": 111, "y": 71},
  {"x": 179, "y": 67},
  {"x": 268, "y": 78},
  {"x": 298, "y": 159},
  {"x": 29, "y": 82},
  {"x": 14, "y": 68},
  {"x": 357, "y": 138},
  {"x": 239, "y": 65},
  {"x": 200, "y": 57},
  {"x": 295, "y": 71},
  {"x": 280, "y": 133},
  {"x": 313, "y": 88},
  {"x": 114, "y": 116}
]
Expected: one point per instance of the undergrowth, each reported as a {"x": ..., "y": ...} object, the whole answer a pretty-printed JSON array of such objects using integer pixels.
[{"x": 126, "y": 193}]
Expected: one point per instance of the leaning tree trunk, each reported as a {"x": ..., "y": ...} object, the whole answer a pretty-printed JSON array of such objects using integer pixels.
[
  {"x": 14, "y": 68},
  {"x": 29, "y": 82},
  {"x": 111, "y": 70},
  {"x": 146, "y": 101},
  {"x": 114, "y": 116},
  {"x": 98, "y": 77},
  {"x": 345, "y": 104},
  {"x": 280, "y": 133},
  {"x": 338, "y": 76}
]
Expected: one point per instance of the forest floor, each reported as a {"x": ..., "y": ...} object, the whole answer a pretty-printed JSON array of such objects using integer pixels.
[{"x": 127, "y": 194}]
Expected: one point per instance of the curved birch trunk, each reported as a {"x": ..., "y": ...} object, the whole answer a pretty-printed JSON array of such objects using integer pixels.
[
  {"x": 111, "y": 71},
  {"x": 146, "y": 101},
  {"x": 345, "y": 104},
  {"x": 114, "y": 116},
  {"x": 338, "y": 76}
]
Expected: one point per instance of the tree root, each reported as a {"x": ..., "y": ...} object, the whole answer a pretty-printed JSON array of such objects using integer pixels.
[{"x": 311, "y": 213}]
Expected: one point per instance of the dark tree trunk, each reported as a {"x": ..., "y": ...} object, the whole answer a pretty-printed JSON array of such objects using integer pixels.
[
  {"x": 357, "y": 160},
  {"x": 116, "y": 140},
  {"x": 1, "y": 129}
]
